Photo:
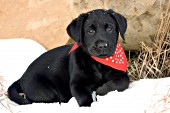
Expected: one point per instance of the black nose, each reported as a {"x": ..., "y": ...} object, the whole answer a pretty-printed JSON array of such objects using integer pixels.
[{"x": 102, "y": 45}]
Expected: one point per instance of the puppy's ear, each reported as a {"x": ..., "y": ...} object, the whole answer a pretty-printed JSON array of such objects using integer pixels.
[
  {"x": 121, "y": 21},
  {"x": 75, "y": 28}
]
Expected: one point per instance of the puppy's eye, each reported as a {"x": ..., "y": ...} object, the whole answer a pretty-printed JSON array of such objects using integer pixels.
[
  {"x": 109, "y": 29},
  {"x": 91, "y": 31}
]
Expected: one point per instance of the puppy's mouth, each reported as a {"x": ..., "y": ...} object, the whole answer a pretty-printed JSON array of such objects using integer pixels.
[{"x": 103, "y": 55}]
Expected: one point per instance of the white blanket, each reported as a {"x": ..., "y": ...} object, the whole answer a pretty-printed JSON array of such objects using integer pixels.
[{"x": 144, "y": 96}]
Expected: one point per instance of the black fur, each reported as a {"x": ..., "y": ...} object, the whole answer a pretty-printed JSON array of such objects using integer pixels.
[{"x": 56, "y": 75}]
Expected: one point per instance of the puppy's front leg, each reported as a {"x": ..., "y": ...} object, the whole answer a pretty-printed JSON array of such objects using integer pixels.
[
  {"x": 81, "y": 93},
  {"x": 82, "y": 81},
  {"x": 119, "y": 83}
]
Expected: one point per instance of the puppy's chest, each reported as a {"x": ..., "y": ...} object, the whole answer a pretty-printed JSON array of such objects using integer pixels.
[{"x": 102, "y": 72}]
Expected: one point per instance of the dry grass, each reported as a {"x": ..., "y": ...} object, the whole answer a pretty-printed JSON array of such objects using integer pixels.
[
  {"x": 160, "y": 106},
  {"x": 166, "y": 103},
  {"x": 154, "y": 62},
  {"x": 3, "y": 96},
  {"x": 1, "y": 86}
]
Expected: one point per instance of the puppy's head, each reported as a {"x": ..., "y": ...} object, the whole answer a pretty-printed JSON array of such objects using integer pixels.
[{"x": 97, "y": 31}]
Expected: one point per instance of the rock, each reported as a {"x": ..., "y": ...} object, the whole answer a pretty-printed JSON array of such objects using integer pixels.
[
  {"x": 42, "y": 20},
  {"x": 143, "y": 17},
  {"x": 45, "y": 21}
]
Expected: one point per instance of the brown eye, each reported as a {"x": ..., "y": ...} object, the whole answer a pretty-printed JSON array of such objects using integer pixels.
[
  {"x": 91, "y": 31},
  {"x": 109, "y": 29}
]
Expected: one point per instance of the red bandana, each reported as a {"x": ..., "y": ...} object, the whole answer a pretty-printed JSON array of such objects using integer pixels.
[{"x": 117, "y": 61}]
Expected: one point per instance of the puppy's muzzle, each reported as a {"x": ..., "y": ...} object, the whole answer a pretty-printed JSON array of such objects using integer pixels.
[{"x": 101, "y": 48}]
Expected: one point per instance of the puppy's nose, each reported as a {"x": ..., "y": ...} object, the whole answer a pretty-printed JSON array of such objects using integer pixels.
[{"x": 102, "y": 45}]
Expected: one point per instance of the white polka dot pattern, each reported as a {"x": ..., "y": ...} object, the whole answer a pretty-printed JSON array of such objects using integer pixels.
[
  {"x": 118, "y": 55},
  {"x": 118, "y": 60}
]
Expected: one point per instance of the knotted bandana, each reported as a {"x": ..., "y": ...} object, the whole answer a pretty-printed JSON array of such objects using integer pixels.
[{"x": 117, "y": 61}]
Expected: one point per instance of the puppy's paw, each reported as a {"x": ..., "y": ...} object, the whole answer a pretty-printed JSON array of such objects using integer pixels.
[
  {"x": 102, "y": 91},
  {"x": 85, "y": 101}
]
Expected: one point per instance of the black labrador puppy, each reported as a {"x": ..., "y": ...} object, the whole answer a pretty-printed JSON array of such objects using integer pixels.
[{"x": 58, "y": 75}]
